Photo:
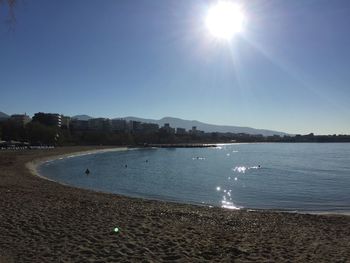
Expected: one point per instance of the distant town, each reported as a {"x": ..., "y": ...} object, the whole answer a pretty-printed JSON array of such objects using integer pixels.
[{"x": 53, "y": 129}]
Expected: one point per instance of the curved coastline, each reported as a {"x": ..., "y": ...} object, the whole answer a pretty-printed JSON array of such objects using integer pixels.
[
  {"x": 33, "y": 165},
  {"x": 43, "y": 221}
]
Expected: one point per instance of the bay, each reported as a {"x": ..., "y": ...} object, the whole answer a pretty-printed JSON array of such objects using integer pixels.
[{"x": 303, "y": 177}]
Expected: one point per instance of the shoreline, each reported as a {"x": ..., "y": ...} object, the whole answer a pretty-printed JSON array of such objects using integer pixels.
[
  {"x": 43, "y": 221},
  {"x": 33, "y": 167}
]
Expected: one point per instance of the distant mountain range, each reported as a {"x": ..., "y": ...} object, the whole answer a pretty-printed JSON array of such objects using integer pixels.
[
  {"x": 186, "y": 124},
  {"x": 82, "y": 117},
  {"x": 3, "y": 115}
]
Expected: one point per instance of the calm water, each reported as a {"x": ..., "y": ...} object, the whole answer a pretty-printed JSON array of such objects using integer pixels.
[{"x": 294, "y": 177}]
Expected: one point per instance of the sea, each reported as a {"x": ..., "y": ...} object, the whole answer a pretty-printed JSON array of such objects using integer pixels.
[{"x": 295, "y": 177}]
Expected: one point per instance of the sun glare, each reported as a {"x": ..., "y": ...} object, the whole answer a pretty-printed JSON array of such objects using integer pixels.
[{"x": 224, "y": 20}]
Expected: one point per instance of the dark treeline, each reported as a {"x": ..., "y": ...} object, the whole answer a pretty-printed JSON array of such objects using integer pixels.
[{"x": 38, "y": 134}]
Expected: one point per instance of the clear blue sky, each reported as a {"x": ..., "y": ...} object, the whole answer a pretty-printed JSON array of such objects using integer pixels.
[{"x": 289, "y": 70}]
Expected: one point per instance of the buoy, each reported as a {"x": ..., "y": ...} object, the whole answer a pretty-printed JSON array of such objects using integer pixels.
[{"x": 116, "y": 229}]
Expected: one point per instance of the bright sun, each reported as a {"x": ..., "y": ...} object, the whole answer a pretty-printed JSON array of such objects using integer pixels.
[{"x": 224, "y": 20}]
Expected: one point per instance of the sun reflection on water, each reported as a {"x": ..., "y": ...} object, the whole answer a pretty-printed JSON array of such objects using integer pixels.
[{"x": 227, "y": 198}]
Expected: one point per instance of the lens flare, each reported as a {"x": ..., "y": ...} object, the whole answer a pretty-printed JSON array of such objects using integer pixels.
[{"x": 224, "y": 20}]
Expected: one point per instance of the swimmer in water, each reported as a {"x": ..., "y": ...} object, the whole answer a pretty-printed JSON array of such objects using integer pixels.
[
  {"x": 126, "y": 166},
  {"x": 87, "y": 171}
]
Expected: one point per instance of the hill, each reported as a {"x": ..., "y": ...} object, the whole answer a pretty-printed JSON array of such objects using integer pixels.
[
  {"x": 187, "y": 124},
  {"x": 82, "y": 117},
  {"x": 3, "y": 116}
]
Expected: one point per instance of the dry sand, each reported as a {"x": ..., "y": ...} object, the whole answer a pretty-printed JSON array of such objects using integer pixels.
[{"x": 43, "y": 221}]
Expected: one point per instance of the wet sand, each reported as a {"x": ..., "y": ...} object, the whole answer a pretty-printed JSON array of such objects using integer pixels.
[{"x": 43, "y": 221}]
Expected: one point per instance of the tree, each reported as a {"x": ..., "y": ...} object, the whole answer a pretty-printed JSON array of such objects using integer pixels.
[
  {"x": 12, "y": 131},
  {"x": 41, "y": 134}
]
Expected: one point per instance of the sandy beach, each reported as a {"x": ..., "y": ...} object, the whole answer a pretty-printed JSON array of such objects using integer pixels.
[{"x": 43, "y": 221}]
